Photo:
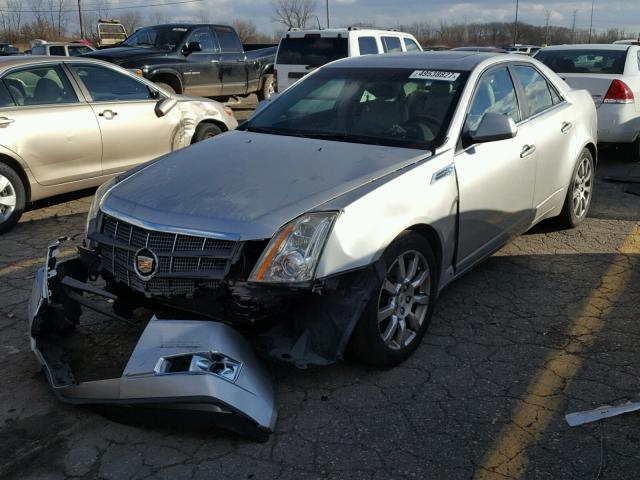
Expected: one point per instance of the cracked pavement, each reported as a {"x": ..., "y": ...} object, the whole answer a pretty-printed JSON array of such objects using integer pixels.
[{"x": 547, "y": 326}]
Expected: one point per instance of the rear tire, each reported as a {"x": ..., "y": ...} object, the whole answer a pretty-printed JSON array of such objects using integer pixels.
[
  {"x": 398, "y": 314},
  {"x": 166, "y": 86},
  {"x": 205, "y": 131},
  {"x": 632, "y": 151},
  {"x": 12, "y": 198},
  {"x": 267, "y": 88},
  {"x": 579, "y": 193}
]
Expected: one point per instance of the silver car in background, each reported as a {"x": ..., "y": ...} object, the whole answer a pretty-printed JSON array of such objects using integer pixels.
[
  {"x": 72, "y": 123},
  {"x": 611, "y": 72},
  {"x": 332, "y": 218}
]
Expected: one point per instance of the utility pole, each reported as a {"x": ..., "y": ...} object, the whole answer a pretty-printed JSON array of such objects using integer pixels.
[
  {"x": 547, "y": 16},
  {"x": 573, "y": 27},
  {"x": 515, "y": 26},
  {"x": 327, "y": 13},
  {"x": 591, "y": 23},
  {"x": 80, "y": 16}
]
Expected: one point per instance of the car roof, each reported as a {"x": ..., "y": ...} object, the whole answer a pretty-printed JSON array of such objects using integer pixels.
[
  {"x": 589, "y": 46},
  {"x": 335, "y": 31},
  {"x": 26, "y": 60},
  {"x": 448, "y": 60}
]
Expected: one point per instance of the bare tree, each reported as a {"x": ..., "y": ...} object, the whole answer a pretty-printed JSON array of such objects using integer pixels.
[
  {"x": 131, "y": 20},
  {"x": 294, "y": 13},
  {"x": 246, "y": 30}
]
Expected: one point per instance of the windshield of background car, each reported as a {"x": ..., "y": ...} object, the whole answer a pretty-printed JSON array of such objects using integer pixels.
[
  {"x": 382, "y": 106},
  {"x": 311, "y": 50},
  {"x": 163, "y": 38},
  {"x": 604, "y": 62}
]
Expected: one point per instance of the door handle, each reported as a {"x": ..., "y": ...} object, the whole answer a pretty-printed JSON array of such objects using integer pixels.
[
  {"x": 4, "y": 121},
  {"x": 108, "y": 114},
  {"x": 566, "y": 126},
  {"x": 527, "y": 150},
  {"x": 215, "y": 61}
]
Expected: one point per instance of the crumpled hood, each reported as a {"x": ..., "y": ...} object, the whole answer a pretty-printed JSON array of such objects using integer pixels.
[{"x": 249, "y": 184}]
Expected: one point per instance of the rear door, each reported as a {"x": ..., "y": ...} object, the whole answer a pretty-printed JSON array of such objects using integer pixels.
[
  {"x": 124, "y": 106},
  {"x": 496, "y": 180},
  {"x": 552, "y": 120},
  {"x": 45, "y": 121},
  {"x": 299, "y": 55},
  {"x": 233, "y": 62}
]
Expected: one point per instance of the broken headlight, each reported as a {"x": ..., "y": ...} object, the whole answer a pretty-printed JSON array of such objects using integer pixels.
[{"x": 293, "y": 253}]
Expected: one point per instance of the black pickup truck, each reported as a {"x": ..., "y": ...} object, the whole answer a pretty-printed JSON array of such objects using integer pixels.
[{"x": 204, "y": 60}]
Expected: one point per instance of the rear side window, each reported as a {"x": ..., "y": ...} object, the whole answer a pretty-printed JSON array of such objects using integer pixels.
[
  {"x": 391, "y": 44},
  {"x": 536, "y": 90},
  {"x": 411, "y": 45},
  {"x": 228, "y": 39},
  {"x": 106, "y": 85},
  {"x": 57, "y": 50},
  {"x": 42, "y": 85},
  {"x": 604, "y": 62},
  {"x": 313, "y": 51},
  {"x": 367, "y": 45}
]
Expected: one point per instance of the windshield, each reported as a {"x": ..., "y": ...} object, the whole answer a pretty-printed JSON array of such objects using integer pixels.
[
  {"x": 163, "y": 38},
  {"x": 312, "y": 50},
  {"x": 383, "y": 106},
  {"x": 584, "y": 61}
]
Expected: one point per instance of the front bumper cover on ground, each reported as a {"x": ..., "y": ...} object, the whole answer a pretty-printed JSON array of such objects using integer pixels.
[{"x": 198, "y": 368}]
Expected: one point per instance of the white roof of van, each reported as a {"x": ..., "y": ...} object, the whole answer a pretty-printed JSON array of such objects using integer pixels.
[{"x": 332, "y": 32}]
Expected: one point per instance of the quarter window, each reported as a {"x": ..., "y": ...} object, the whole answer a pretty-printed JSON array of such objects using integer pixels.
[
  {"x": 536, "y": 89},
  {"x": 203, "y": 36},
  {"x": 367, "y": 45},
  {"x": 228, "y": 39},
  {"x": 391, "y": 44},
  {"x": 106, "y": 85},
  {"x": 411, "y": 45},
  {"x": 495, "y": 93},
  {"x": 45, "y": 85}
]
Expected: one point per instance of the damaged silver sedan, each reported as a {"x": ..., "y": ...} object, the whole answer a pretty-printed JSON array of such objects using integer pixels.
[{"x": 331, "y": 219}]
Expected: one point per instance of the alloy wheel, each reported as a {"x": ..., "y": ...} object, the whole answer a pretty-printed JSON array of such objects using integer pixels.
[
  {"x": 582, "y": 187},
  {"x": 8, "y": 198},
  {"x": 404, "y": 299}
]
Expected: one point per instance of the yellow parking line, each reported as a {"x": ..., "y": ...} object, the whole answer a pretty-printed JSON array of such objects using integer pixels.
[{"x": 533, "y": 412}]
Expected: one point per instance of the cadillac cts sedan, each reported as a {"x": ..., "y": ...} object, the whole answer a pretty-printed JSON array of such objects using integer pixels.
[
  {"x": 330, "y": 220},
  {"x": 68, "y": 124}
]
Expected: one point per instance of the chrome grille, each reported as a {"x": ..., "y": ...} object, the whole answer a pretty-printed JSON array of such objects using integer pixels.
[{"x": 185, "y": 262}]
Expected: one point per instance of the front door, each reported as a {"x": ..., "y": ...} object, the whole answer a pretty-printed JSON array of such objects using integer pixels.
[
  {"x": 202, "y": 69},
  {"x": 233, "y": 62},
  {"x": 496, "y": 180},
  {"x": 131, "y": 131},
  {"x": 46, "y": 124}
]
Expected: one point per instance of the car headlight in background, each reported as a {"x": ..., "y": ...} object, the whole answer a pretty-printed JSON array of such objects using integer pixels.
[
  {"x": 293, "y": 253},
  {"x": 95, "y": 206}
]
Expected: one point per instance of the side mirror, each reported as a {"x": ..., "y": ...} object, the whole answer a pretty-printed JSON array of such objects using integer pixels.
[
  {"x": 164, "y": 106},
  {"x": 191, "y": 47},
  {"x": 493, "y": 128}
]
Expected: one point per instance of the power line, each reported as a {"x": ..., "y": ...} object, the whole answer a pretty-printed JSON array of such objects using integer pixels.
[{"x": 179, "y": 2}]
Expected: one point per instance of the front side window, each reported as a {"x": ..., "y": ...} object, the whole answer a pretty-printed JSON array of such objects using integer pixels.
[
  {"x": 204, "y": 37},
  {"x": 394, "y": 107},
  {"x": 164, "y": 38},
  {"x": 536, "y": 90},
  {"x": 411, "y": 45},
  {"x": 42, "y": 85},
  {"x": 391, "y": 44},
  {"x": 57, "y": 50},
  {"x": 228, "y": 39},
  {"x": 105, "y": 85},
  {"x": 495, "y": 93},
  {"x": 367, "y": 45},
  {"x": 596, "y": 61}
]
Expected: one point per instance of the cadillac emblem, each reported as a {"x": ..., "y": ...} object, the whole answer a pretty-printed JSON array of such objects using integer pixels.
[{"x": 145, "y": 264}]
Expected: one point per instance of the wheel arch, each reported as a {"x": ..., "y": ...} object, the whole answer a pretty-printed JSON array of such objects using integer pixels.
[
  {"x": 431, "y": 235},
  {"x": 17, "y": 167},
  {"x": 594, "y": 151},
  {"x": 170, "y": 77},
  {"x": 212, "y": 121}
]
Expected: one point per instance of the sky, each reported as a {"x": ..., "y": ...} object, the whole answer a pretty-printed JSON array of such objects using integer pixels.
[{"x": 391, "y": 13}]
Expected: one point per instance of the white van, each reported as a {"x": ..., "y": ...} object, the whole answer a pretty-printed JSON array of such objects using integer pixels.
[{"x": 302, "y": 51}]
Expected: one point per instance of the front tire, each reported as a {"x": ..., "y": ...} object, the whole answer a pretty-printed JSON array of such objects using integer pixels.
[
  {"x": 398, "y": 314},
  {"x": 579, "y": 193},
  {"x": 12, "y": 198},
  {"x": 205, "y": 131}
]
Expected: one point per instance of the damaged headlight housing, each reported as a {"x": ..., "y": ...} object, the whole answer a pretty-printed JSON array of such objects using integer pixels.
[
  {"x": 293, "y": 253},
  {"x": 95, "y": 206}
]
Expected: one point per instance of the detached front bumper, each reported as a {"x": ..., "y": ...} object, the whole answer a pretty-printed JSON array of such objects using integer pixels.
[{"x": 199, "y": 369}]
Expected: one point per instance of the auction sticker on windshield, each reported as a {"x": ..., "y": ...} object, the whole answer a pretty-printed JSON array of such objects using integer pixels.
[{"x": 435, "y": 75}]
